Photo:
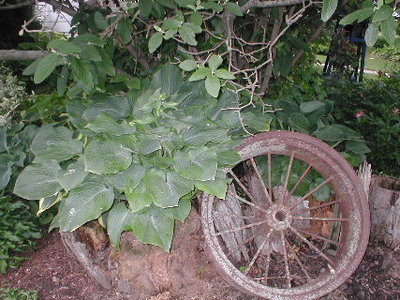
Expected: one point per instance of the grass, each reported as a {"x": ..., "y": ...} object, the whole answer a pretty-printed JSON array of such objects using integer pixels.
[
  {"x": 17, "y": 294},
  {"x": 373, "y": 63}
]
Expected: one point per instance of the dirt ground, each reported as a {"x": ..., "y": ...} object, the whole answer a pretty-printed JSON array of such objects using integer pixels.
[{"x": 55, "y": 274}]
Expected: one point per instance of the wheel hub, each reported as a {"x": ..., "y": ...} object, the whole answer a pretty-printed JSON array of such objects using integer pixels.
[{"x": 278, "y": 217}]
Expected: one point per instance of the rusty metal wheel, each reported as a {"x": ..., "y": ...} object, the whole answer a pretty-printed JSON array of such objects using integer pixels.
[{"x": 295, "y": 222}]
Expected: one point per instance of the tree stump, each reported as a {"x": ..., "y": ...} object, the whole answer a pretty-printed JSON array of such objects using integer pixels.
[{"x": 384, "y": 202}]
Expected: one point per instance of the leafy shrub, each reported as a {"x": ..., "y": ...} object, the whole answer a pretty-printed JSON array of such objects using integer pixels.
[
  {"x": 372, "y": 108},
  {"x": 391, "y": 53},
  {"x": 19, "y": 227},
  {"x": 150, "y": 149},
  {"x": 17, "y": 294}
]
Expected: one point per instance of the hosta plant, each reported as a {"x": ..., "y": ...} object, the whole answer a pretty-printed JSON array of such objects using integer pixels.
[{"x": 134, "y": 159}]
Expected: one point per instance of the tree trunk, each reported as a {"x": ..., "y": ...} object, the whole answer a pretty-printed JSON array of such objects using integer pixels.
[{"x": 384, "y": 202}]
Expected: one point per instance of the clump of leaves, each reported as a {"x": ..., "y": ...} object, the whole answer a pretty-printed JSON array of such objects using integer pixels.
[
  {"x": 18, "y": 294},
  {"x": 12, "y": 92},
  {"x": 135, "y": 159},
  {"x": 19, "y": 228}
]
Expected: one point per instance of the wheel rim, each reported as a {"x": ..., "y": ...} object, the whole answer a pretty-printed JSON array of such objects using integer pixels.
[{"x": 271, "y": 236}]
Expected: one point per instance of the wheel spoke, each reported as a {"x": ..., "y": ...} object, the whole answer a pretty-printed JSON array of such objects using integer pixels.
[
  {"x": 312, "y": 246},
  {"x": 319, "y": 237},
  {"x": 297, "y": 183},
  {"x": 287, "y": 270},
  {"x": 314, "y": 207},
  {"x": 241, "y": 228},
  {"x": 270, "y": 174},
  {"x": 247, "y": 202},
  {"x": 303, "y": 269},
  {"x": 242, "y": 244},
  {"x": 253, "y": 163},
  {"x": 233, "y": 215},
  {"x": 267, "y": 266},
  {"x": 321, "y": 219},
  {"x": 257, "y": 254},
  {"x": 310, "y": 193},
  {"x": 241, "y": 185},
  {"x": 285, "y": 185}
]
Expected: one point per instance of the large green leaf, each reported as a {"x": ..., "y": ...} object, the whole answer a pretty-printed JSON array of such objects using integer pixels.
[
  {"x": 154, "y": 226},
  {"x": 118, "y": 220},
  {"x": 215, "y": 61},
  {"x": 147, "y": 144},
  {"x": 216, "y": 187},
  {"x": 75, "y": 110},
  {"x": 311, "y": 106},
  {"x": 55, "y": 143},
  {"x": 116, "y": 106},
  {"x": 128, "y": 179},
  {"x": 201, "y": 135},
  {"x": 187, "y": 34},
  {"x": 383, "y": 13},
  {"x": 5, "y": 174},
  {"x": 155, "y": 41},
  {"x": 337, "y": 133},
  {"x": 328, "y": 9},
  {"x": 46, "y": 66},
  {"x": 181, "y": 212},
  {"x": 140, "y": 197},
  {"x": 86, "y": 202},
  {"x": 213, "y": 85},
  {"x": 228, "y": 158},
  {"x": 106, "y": 65},
  {"x": 72, "y": 176},
  {"x": 388, "y": 28},
  {"x": 357, "y": 147},
  {"x": 81, "y": 71},
  {"x": 46, "y": 203},
  {"x": 358, "y": 15},
  {"x": 371, "y": 34},
  {"x": 100, "y": 20},
  {"x": 299, "y": 122},
  {"x": 106, "y": 157},
  {"x": 103, "y": 123},
  {"x": 199, "y": 164},
  {"x": 234, "y": 9},
  {"x": 38, "y": 181},
  {"x": 124, "y": 29}
]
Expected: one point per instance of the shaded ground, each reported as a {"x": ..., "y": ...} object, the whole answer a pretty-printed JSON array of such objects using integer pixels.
[{"x": 57, "y": 275}]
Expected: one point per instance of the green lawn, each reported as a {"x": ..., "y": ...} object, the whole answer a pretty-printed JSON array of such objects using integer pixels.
[{"x": 373, "y": 63}]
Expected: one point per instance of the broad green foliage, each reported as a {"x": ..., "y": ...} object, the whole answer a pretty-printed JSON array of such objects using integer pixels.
[
  {"x": 137, "y": 157},
  {"x": 18, "y": 230}
]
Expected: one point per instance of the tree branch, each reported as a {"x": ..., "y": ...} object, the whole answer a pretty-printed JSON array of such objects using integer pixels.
[
  {"x": 265, "y": 4},
  {"x": 18, "y": 5},
  {"x": 60, "y": 6},
  {"x": 21, "y": 54}
]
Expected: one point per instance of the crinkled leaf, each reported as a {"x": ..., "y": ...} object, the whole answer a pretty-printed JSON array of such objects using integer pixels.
[
  {"x": 154, "y": 226},
  {"x": 383, "y": 13},
  {"x": 116, "y": 106},
  {"x": 212, "y": 85},
  {"x": 106, "y": 157},
  {"x": 104, "y": 123},
  {"x": 358, "y": 15},
  {"x": 200, "y": 73},
  {"x": 199, "y": 164},
  {"x": 200, "y": 136},
  {"x": 124, "y": 29},
  {"x": 337, "y": 133},
  {"x": 55, "y": 143},
  {"x": 155, "y": 41},
  {"x": 214, "y": 62},
  {"x": 388, "y": 28},
  {"x": 328, "y": 9},
  {"x": 299, "y": 122},
  {"x": 81, "y": 71},
  {"x": 106, "y": 65},
  {"x": 118, "y": 220},
  {"x": 91, "y": 52},
  {"x": 128, "y": 179},
  {"x": 140, "y": 197},
  {"x": 72, "y": 176},
  {"x": 216, "y": 187},
  {"x": 5, "y": 174},
  {"x": 75, "y": 110},
  {"x": 46, "y": 66},
  {"x": 188, "y": 65},
  {"x": 147, "y": 144},
  {"x": 228, "y": 158},
  {"x": 234, "y": 9},
  {"x": 38, "y": 181},
  {"x": 62, "y": 81},
  {"x": 86, "y": 202},
  {"x": 181, "y": 212},
  {"x": 224, "y": 74},
  {"x": 371, "y": 34}
]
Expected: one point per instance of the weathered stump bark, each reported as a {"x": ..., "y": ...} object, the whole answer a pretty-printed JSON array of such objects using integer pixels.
[
  {"x": 384, "y": 202},
  {"x": 142, "y": 271}
]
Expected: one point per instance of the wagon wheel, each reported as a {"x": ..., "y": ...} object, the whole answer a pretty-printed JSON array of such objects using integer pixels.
[{"x": 295, "y": 221}]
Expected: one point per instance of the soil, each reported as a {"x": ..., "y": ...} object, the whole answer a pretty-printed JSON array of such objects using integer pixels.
[{"x": 55, "y": 274}]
